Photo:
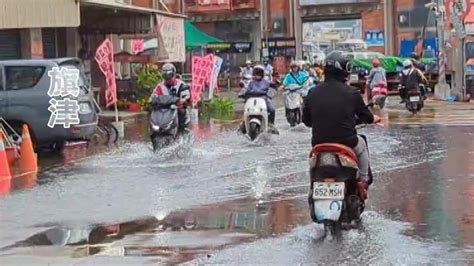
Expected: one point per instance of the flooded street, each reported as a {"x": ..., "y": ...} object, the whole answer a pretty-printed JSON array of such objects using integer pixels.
[{"x": 221, "y": 199}]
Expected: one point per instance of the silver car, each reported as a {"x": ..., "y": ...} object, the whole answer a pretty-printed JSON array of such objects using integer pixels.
[{"x": 24, "y": 98}]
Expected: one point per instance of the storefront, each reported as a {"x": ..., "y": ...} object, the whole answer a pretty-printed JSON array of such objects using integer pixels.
[
  {"x": 10, "y": 45},
  {"x": 31, "y": 32},
  {"x": 123, "y": 23},
  {"x": 281, "y": 51}
]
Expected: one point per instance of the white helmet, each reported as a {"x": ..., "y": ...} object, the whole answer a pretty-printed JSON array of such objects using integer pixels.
[
  {"x": 248, "y": 62},
  {"x": 258, "y": 70},
  {"x": 407, "y": 63}
]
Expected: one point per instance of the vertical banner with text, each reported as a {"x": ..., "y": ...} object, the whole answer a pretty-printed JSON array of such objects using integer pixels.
[
  {"x": 170, "y": 39},
  {"x": 104, "y": 56},
  {"x": 215, "y": 75},
  {"x": 201, "y": 71}
]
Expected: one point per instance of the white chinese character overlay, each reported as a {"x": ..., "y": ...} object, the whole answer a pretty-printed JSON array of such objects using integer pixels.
[
  {"x": 63, "y": 82},
  {"x": 63, "y": 112}
]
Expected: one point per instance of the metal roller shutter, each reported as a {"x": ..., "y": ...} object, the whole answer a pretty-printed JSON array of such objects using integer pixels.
[
  {"x": 49, "y": 43},
  {"x": 10, "y": 45}
]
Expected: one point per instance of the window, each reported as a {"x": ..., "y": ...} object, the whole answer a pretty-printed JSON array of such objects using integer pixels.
[{"x": 23, "y": 77}]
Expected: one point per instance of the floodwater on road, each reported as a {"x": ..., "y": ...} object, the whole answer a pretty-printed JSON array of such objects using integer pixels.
[{"x": 222, "y": 199}]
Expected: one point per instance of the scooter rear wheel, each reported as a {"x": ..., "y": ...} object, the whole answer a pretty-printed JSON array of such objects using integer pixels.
[{"x": 333, "y": 228}]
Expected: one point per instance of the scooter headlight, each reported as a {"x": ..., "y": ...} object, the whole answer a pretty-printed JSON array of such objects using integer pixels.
[{"x": 155, "y": 127}]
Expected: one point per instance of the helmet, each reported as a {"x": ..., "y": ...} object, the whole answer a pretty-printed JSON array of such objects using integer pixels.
[
  {"x": 294, "y": 64},
  {"x": 259, "y": 71},
  {"x": 376, "y": 62},
  {"x": 168, "y": 71},
  {"x": 414, "y": 56},
  {"x": 407, "y": 63},
  {"x": 248, "y": 62},
  {"x": 265, "y": 60},
  {"x": 338, "y": 64}
]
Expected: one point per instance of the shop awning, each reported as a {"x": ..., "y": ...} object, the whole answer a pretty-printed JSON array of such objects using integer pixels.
[{"x": 193, "y": 38}]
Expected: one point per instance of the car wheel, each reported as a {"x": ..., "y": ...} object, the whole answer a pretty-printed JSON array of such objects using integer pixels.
[{"x": 58, "y": 146}]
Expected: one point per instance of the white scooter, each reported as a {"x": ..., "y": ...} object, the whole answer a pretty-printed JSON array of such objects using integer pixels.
[{"x": 255, "y": 115}]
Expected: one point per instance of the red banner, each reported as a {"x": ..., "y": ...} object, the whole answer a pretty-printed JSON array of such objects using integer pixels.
[
  {"x": 201, "y": 70},
  {"x": 138, "y": 46},
  {"x": 104, "y": 56}
]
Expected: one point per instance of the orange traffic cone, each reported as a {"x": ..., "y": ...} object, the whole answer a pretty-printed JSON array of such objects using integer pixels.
[
  {"x": 5, "y": 174},
  {"x": 28, "y": 159}
]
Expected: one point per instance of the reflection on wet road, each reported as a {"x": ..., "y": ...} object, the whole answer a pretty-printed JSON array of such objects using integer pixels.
[{"x": 225, "y": 200}]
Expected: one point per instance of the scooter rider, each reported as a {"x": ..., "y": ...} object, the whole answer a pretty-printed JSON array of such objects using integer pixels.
[
  {"x": 268, "y": 69},
  {"x": 334, "y": 109},
  {"x": 261, "y": 86},
  {"x": 376, "y": 76},
  {"x": 295, "y": 76},
  {"x": 411, "y": 78},
  {"x": 247, "y": 70},
  {"x": 172, "y": 85}
]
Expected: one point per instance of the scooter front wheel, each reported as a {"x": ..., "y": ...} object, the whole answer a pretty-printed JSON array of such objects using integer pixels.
[{"x": 254, "y": 130}]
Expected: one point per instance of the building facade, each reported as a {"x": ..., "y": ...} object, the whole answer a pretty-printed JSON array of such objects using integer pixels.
[
  {"x": 249, "y": 22},
  {"x": 75, "y": 28}
]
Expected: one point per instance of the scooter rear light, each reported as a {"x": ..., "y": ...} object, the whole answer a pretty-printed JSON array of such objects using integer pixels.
[
  {"x": 329, "y": 180},
  {"x": 328, "y": 159}
]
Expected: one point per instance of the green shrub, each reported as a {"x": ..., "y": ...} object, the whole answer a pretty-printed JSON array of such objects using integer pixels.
[
  {"x": 147, "y": 79},
  {"x": 221, "y": 108}
]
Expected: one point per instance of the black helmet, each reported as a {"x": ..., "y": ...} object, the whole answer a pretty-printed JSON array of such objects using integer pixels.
[
  {"x": 414, "y": 56},
  {"x": 168, "y": 71},
  {"x": 339, "y": 65}
]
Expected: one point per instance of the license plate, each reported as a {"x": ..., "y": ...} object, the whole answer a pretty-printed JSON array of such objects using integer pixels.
[
  {"x": 414, "y": 98},
  {"x": 323, "y": 190},
  {"x": 354, "y": 77},
  {"x": 85, "y": 108}
]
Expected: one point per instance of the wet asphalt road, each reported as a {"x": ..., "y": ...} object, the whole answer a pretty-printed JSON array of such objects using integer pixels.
[{"x": 225, "y": 200}]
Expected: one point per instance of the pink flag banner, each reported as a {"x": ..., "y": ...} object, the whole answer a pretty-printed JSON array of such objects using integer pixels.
[
  {"x": 201, "y": 70},
  {"x": 104, "y": 56}
]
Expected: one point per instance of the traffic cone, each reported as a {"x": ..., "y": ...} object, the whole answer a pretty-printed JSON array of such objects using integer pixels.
[
  {"x": 28, "y": 159},
  {"x": 5, "y": 174}
]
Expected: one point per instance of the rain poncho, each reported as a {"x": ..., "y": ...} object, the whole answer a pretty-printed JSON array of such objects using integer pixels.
[
  {"x": 292, "y": 78},
  {"x": 377, "y": 75}
]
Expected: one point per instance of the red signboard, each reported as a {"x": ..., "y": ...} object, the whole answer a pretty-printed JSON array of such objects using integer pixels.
[{"x": 207, "y": 5}]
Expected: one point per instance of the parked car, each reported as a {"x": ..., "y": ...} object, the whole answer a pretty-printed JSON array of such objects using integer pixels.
[{"x": 24, "y": 98}]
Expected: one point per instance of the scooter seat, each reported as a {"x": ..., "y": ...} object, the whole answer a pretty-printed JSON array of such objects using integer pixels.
[{"x": 335, "y": 148}]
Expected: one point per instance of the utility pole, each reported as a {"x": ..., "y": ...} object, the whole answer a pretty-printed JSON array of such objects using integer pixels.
[
  {"x": 263, "y": 27},
  {"x": 442, "y": 89},
  {"x": 298, "y": 29},
  {"x": 388, "y": 28}
]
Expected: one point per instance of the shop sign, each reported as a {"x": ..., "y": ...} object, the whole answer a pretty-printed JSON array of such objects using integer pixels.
[{"x": 230, "y": 47}]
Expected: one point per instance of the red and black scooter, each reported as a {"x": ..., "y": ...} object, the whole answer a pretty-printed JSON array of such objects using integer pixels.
[
  {"x": 379, "y": 94},
  {"x": 337, "y": 196}
]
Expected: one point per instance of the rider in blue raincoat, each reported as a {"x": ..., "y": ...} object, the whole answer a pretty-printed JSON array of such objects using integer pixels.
[{"x": 295, "y": 76}]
